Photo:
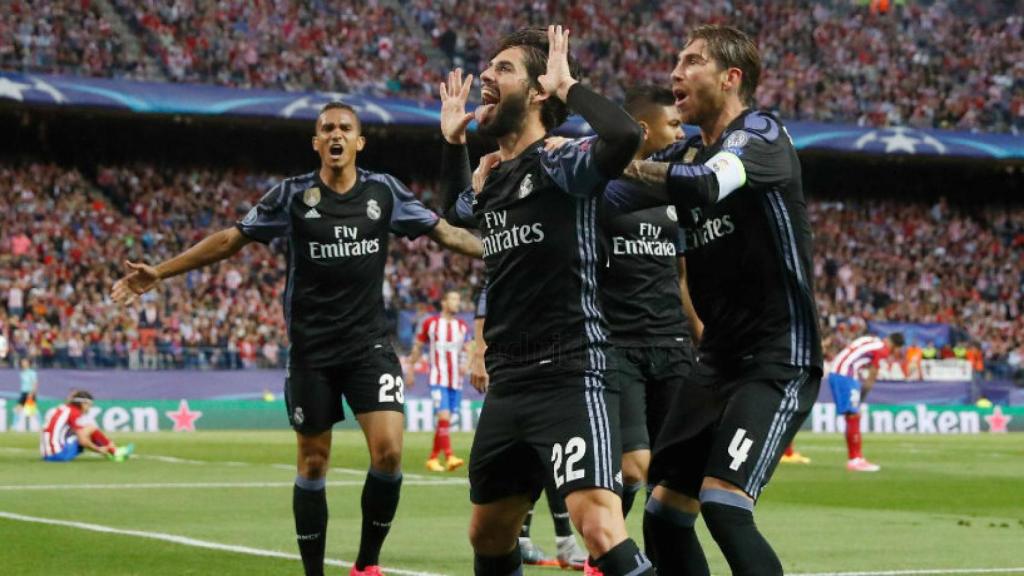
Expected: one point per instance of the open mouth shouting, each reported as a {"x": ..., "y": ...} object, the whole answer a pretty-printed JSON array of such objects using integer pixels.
[
  {"x": 336, "y": 150},
  {"x": 681, "y": 96},
  {"x": 489, "y": 99}
]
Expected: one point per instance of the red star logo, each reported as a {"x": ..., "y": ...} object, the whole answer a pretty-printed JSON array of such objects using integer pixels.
[
  {"x": 997, "y": 421},
  {"x": 185, "y": 419}
]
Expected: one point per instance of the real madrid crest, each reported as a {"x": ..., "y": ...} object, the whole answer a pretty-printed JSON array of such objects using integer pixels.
[
  {"x": 671, "y": 213},
  {"x": 372, "y": 209},
  {"x": 311, "y": 197},
  {"x": 526, "y": 186}
]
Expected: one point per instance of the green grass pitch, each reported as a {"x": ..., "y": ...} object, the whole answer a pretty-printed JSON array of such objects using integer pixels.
[{"x": 940, "y": 505}]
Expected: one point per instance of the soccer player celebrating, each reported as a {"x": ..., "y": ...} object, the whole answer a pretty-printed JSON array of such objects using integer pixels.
[
  {"x": 447, "y": 337},
  {"x": 849, "y": 389},
  {"x": 644, "y": 296},
  {"x": 68, "y": 433},
  {"x": 748, "y": 252},
  {"x": 550, "y": 410},
  {"x": 336, "y": 221}
]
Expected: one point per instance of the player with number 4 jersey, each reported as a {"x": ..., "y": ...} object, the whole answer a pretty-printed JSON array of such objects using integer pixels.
[{"x": 738, "y": 194}]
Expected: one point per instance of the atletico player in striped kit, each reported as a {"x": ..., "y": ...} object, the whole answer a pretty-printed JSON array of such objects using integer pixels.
[
  {"x": 69, "y": 432},
  {"x": 446, "y": 335},
  {"x": 849, "y": 389}
]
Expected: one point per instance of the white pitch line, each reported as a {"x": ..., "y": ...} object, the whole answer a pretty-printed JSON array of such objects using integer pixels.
[
  {"x": 203, "y": 485},
  {"x": 185, "y": 541},
  {"x": 923, "y": 572}
]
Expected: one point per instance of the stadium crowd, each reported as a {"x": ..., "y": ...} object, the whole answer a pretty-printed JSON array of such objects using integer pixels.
[
  {"x": 947, "y": 64},
  {"x": 63, "y": 245},
  {"x": 346, "y": 46}
]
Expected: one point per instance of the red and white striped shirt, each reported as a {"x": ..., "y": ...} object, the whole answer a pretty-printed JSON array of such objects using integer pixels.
[
  {"x": 859, "y": 353},
  {"x": 62, "y": 424},
  {"x": 446, "y": 338}
]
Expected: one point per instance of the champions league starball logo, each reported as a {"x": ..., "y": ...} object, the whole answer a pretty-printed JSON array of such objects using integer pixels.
[{"x": 900, "y": 139}]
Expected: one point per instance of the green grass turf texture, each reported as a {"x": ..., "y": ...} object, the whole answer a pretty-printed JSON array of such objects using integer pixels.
[{"x": 940, "y": 502}]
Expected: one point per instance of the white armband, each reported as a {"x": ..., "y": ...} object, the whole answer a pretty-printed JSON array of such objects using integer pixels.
[{"x": 728, "y": 168}]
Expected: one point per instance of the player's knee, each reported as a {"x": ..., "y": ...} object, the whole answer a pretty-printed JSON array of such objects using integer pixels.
[
  {"x": 598, "y": 532},
  {"x": 633, "y": 473},
  {"x": 490, "y": 540},
  {"x": 386, "y": 459},
  {"x": 313, "y": 465}
]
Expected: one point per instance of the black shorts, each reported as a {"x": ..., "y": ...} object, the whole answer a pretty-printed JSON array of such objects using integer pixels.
[
  {"x": 649, "y": 377},
  {"x": 732, "y": 425},
  {"x": 370, "y": 383},
  {"x": 23, "y": 398},
  {"x": 567, "y": 431}
]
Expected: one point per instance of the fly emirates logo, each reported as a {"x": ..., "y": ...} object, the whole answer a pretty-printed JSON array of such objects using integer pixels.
[
  {"x": 500, "y": 236},
  {"x": 348, "y": 244},
  {"x": 706, "y": 232},
  {"x": 649, "y": 243}
]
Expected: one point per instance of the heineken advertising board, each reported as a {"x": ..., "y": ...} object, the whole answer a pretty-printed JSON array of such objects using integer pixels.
[{"x": 191, "y": 415}]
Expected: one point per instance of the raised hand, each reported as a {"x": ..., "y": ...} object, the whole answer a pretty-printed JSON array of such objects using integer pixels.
[
  {"x": 140, "y": 279},
  {"x": 558, "y": 79},
  {"x": 487, "y": 162},
  {"x": 454, "y": 118}
]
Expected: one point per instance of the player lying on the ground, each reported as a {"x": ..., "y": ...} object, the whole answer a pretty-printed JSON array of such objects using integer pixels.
[{"x": 69, "y": 432}]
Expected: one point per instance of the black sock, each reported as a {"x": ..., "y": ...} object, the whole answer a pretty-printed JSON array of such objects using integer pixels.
[
  {"x": 629, "y": 492},
  {"x": 671, "y": 540},
  {"x": 624, "y": 558},
  {"x": 524, "y": 532},
  {"x": 510, "y": 564},
  {"x": 730, "y": 518},
  {"x": 309, "y": 505},
  {"x": 380, "y": 500},
  {"x": 559, "y": 512}
]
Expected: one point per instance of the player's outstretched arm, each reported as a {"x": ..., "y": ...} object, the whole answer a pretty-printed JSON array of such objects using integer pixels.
[
  {"x": 141, "y": 278},
  {"x": 457, "y": 239}
]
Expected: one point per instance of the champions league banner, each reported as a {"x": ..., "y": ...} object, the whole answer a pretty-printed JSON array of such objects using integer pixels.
[{"x": 204, "y": 100}]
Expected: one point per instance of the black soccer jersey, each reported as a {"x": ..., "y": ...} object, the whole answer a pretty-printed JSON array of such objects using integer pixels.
[
  {"x": 640, "y": 277},
  {"x": 748, "y": 250},
  {"x": 337, "y": 248},
  {"x": 538, "y": 219}
]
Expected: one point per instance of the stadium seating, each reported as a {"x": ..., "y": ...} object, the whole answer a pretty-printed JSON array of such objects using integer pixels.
[
  {"x": 949, "y": 64},
  {"x": 61, "y": 249}
]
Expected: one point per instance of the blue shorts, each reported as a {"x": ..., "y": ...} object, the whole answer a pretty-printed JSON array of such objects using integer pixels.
[
  {"x": 71, "y": 451},
  {"x": 446, "y": 398},
  {"x": 845, "y": 393}
]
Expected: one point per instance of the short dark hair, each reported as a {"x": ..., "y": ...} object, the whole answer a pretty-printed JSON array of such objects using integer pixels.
[
  {"x": 534, "y": 44},
  {"x": 730, "y": 47},
  {"x": 339, "y": 105},
  {"x": 639, "y": 99},
  {"x": 897, "y": 339},
  {"x": 80, "y": 397}
]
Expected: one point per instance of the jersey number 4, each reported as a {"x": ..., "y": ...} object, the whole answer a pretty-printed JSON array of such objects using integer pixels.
[
  {"x": 739, "y": 449},
  {"x": 392, "y": 389},
  {"x": 575, "y": 448}
]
